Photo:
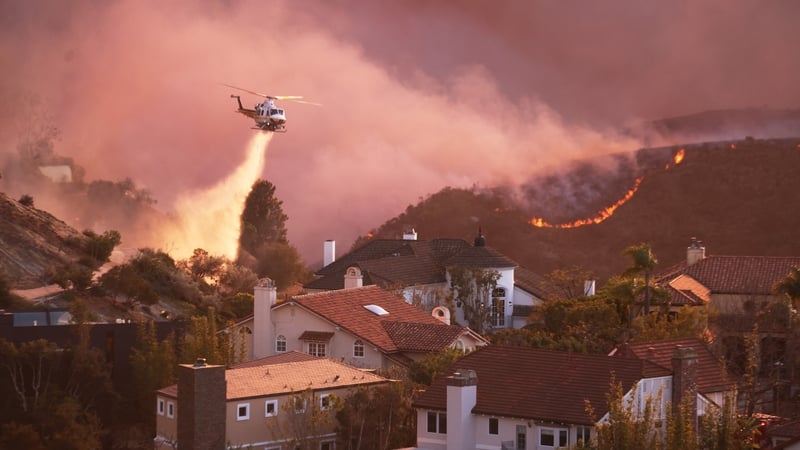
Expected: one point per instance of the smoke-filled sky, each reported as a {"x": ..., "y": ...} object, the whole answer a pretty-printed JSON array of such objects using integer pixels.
[{"x": 416, "y": 95}]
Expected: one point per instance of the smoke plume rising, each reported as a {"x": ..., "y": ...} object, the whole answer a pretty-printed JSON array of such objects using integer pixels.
[
  {"x": 211, "y": 217},
  {"x": 417, "y": 95}
]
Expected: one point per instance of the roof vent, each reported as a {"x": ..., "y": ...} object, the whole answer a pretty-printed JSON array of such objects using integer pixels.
[
  {"x": 377, "y": 310},
  {"x": 201, "y": 362}
]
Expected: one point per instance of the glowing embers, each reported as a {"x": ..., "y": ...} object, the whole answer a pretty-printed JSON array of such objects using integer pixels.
[
  {"x": 601, "y": 215},
  {"x": 679, "y": 156}
]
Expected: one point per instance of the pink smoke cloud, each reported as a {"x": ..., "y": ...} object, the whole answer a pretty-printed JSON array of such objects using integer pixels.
[{"x": 416, "y": 96}]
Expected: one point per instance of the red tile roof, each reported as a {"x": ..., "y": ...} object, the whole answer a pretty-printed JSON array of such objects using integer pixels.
[
  {"x": 316, "y": 336},
  {"x": 738, "y": 274},
  {"x": 541, "y": 384},
  {"x": 280, "y": 358},
  {"x": 346, "y": 308},
  {"x": 422, "y": 337},
  {"x": 711, "y": 373}
]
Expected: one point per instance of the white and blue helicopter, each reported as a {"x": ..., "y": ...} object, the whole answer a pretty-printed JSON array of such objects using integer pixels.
[{"x": 267, "y": 115}]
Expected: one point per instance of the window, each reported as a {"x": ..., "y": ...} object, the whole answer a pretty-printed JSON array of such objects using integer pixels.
[
  {"x": 316, "y": 348},
  {"x": 498, "y": 312},
  {"x": 522, "y": 437},
  {"x": 584, "y": 434},
  {"x": 325, "y": 401},
  {"x": 437, "y": 422},
  {"x": 280, "y": 343},
  {"x": 358, "y": 349},
  {"x": 160, "y": 408},
  {"x": 271, "y": 408},
  {"x": 494, "y": 425},
  {"x": 327, "y": 445},
  {"x": 243, "y": 411},
  {"x": 170, "y": 409},
  {"x": 549, "y": 437},
  {"x": 299, "y": 405}
]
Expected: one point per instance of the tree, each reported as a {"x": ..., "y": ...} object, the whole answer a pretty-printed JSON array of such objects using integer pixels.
[
  {"x": 100, "y": 247},
  {"x": 790, "y": 286},
  {"x": 427, "y": 369},
  {"x": 262, "y": 219},
  {"x": 263, "y": 238},
  {"x": 377, "y": 417},
  {"x": 472, "y": 288},
  {"x": 306, "y": 419},
  {"x": 205, "y": 269},
  {"x": 153, "y": 363},
  {"x": 643, "y": 262},
  {"x": 26, "y": 200},
  {"x": 627, "y": 427}
]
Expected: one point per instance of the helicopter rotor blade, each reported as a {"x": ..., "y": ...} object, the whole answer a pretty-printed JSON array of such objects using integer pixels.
[
  {"x": 296, "y": 99},
  {"x": 250, "y": 92}
]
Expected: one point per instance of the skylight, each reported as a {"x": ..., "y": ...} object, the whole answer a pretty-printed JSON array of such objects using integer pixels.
[{"x": 377, "y": 310}]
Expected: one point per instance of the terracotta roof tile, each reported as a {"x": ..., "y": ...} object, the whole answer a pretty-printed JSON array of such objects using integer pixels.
[
  {"x": 266, "y": 377},
  {"x": 422, "y": 337},
  {"x": 345, "y": 308},
  {"x": 541, "y": 384},
  {"x": 290, "y": 356},
  {"x": 711, "y": 374},
  {"x": 742, "y": 274},
  {"x": 316, "y": 336},
  {"x": 532, "y": 283}
]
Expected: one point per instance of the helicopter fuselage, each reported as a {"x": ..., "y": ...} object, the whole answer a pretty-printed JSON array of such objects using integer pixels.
[{"x": 266, "y": 115}]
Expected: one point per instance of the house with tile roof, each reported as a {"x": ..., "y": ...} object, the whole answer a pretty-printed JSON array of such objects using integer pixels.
[
  {"x": 524, "y": 398},
  {"x": 366, "y": 327},
  {"x": 740, "y": 290},
  {"x": 731, "y": 284},
  {"x": 419, "y": 269},
  {"x": 714, "y": 381},
  {"x": 270, "y": 403}
]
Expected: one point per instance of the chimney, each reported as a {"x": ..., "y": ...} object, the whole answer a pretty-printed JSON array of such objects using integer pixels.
[
  {"x": 684, "y": 380},
  {"x": 441, "y": 313},
  {"x": 462, "y": 394},
  {"x": 410, "y": 235},
  {"x": 695, "y": 252},
  {"x": 264, "y": 297},
  {"x": 353, "y": 278},
  {"x": 328, "y": 252},
  {"x": 201, "y": 406}
]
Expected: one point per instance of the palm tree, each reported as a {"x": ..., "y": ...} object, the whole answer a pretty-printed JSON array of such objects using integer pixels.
[{"x": 644, "y": 261}]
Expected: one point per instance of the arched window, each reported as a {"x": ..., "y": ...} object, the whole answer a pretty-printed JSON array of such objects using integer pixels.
[
  {"x": 280, "y": 343},
  {"x": 358, "y": 349}
]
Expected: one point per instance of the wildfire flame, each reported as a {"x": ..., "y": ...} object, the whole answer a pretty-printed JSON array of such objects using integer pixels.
[
  {"x": 600, "y": 217},
  {"x": 679, "y": 156}
]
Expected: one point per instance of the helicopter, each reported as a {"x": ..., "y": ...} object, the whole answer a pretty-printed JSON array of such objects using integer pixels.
[{"x": 267, "y": 115}]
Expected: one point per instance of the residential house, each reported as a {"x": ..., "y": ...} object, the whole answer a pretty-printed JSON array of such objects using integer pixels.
[
  {"x": 714, "y": 382},
  {"x": 366, "y": 326},
  {"x": 501, "y": 397},
  {"x": 740, "y": 290},
  {"x": 419, "y": 269},
  {"x": 733, "y": 285},
  {"x": 271, "y": 403}
]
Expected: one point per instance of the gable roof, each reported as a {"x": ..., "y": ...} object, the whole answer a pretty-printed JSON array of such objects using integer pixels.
[
  {"x": 711, "y": 373},
  {"x": 392, "y": 262},
  {"x": 532, "y": 283},
  {"x": 540, "y": 384},
  {"x": 753, "y": 275},
  {"x": 346, "y": 309}
]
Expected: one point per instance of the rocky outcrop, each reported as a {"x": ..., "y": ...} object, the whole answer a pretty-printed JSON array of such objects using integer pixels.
[{"x": 32, "y": 242}]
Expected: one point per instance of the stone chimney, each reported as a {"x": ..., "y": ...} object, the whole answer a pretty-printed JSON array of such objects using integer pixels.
[
  {"x": 328, "y": 252},
  {"x": 695, "y": 252},
  {"x": 353, "y": 278},
  {"x": 265, "y": 295},
  {"x": 201, "y": 406},
  {"x": 684, "y": 380},
  {"x": 462, "y": 394},
  {"x": 410, "y": 235}
]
